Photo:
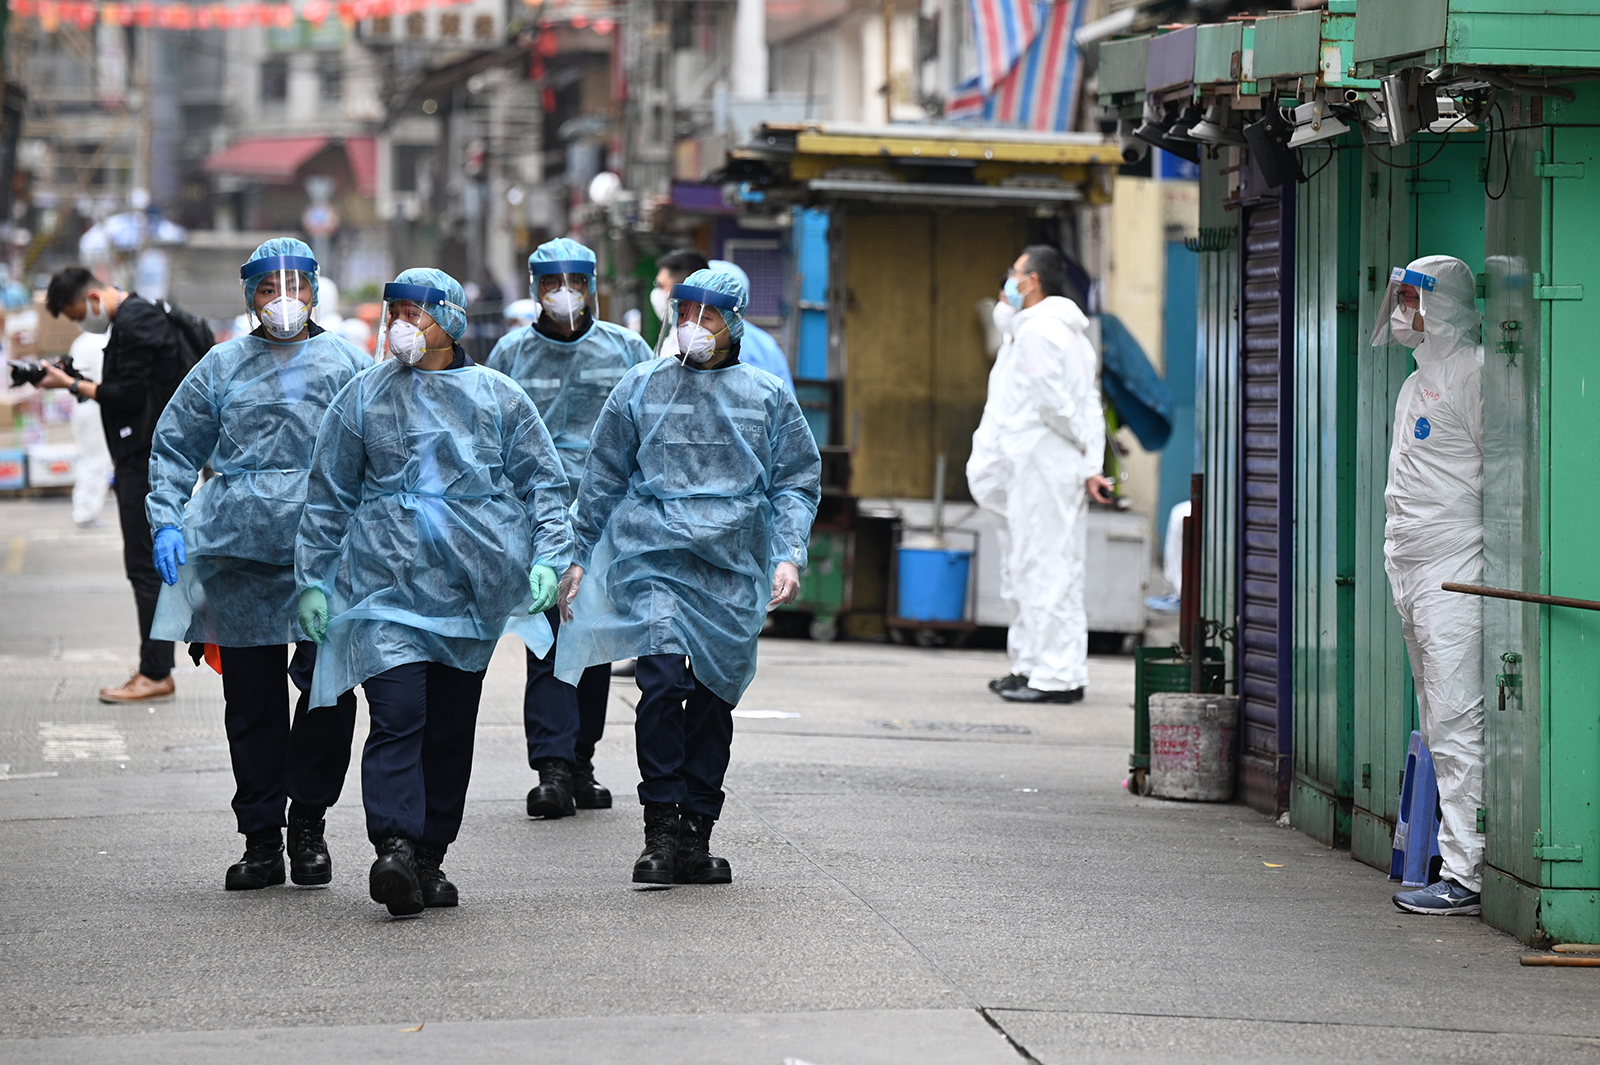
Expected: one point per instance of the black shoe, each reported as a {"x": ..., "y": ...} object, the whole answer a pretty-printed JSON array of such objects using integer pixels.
[
  {"x": 436, "y": 889},
  {"x": 1026, "y": 694},
  {"x": 553, "y": 797},
  {"x": 660, "y": 845},
  {"x": 393, "y": 880},
  {"x": 309, "y": 862},
  {"x": 588, "y": 793},
  {"x": 261, "y": 866},
  {"x": 1007, "y": 682},
  {"x": 694, "y": 862}
]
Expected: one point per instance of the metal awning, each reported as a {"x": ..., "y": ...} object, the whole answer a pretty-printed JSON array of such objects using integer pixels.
[
  {"x": 925, "y": 193},
  {"x": 929, "y": 142},
  {"x": 275, "y": 159}
]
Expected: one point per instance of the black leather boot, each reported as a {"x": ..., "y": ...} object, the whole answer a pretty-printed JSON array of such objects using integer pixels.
[
  {"x": 660, "y": 844},
  {"x": 262, "y": 864},
  {"x": 309, "y": 862},
  {"x": 436, "y": 888},
  {"x": 587, "y": 792},
  {"x": 553, "y": 797},
  {"x": 694, "y": 863},
  {"x": 393, "y": 880}
]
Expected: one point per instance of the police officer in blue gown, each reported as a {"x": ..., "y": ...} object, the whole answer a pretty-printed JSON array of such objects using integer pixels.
[
  {"x": 250, "y": 408},
  {"x": 567, "y": 362},
  {"x": 434, "y": 521},
  {"x": 691, "y": 522}
]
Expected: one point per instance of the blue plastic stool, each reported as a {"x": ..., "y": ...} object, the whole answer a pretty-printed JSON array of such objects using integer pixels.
[{"x": 1413, "y": 855}]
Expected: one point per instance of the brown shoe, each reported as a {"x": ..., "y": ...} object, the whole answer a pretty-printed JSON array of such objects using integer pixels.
[{"x": 140, "y": 689}]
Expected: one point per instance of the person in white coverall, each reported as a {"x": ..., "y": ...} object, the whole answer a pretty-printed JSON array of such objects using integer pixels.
[
  {"x": 1036, "y": 462},
  {"x": 93, "y": 482},
  {"x": 1433, "y": 534}
]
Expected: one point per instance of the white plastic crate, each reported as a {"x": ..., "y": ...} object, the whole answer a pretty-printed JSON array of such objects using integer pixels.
[{"x": 52, "y": 465}]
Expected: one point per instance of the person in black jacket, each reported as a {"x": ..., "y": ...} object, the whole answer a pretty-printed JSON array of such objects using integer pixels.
[{"x": 142, "y": 369}]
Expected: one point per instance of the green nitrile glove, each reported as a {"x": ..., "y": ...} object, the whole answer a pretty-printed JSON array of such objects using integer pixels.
[
  {"x": 542, "y": 583},
  {"x": 314, "y": 614}
]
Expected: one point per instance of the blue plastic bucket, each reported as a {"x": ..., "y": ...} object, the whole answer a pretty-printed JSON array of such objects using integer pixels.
[{"x": 933, "y": 584}]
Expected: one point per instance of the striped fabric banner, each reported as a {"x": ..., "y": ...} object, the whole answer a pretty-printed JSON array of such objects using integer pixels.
[
  {"x": 967, "y": 100},
  {"x": 1002, "y": 31},
  {"x": 1040, "y": 89}
]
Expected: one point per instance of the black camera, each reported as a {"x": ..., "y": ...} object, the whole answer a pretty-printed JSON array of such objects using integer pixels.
[{"x": 32, "y": 373}]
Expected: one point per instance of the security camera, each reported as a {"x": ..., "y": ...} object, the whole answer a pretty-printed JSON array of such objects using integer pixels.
[
  {"x": 1156, "y": 127},
  {"x": 1133, "y": 149},
  {"x": 1410, "y": 104}
]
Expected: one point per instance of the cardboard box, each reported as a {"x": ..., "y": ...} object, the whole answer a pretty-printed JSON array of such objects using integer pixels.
[
  {"x": 52, "y": 336},
  {"x": 13, "y": 469},
  {"x": 52, "y": 465}
]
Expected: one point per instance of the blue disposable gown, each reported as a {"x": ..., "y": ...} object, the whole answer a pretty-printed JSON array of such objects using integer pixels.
[
  {"x": 699, "y": 483},
  {"x": 758, "y": 348},
  {"x": 432, "y": 494},
  {"x": 251, "y": 408},
  {"x": 569, "y": 381}
]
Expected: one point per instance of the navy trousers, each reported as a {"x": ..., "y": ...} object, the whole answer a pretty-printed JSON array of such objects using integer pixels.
[
  {"x": 276, "y": 758},
  {"x": 684, "y": 735},
  {"x": 418, "y": 758},
  {"x": 562, "y": 721}
]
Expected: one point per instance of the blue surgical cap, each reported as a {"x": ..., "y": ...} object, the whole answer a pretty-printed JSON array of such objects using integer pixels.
[
  {"x": 278, "y": 247},
  {"x": 723, "y": 266},
  {"x": 723, "y": 283},
  {"x": 451, "y": 314},
  {"x": 562, "y": 256}
]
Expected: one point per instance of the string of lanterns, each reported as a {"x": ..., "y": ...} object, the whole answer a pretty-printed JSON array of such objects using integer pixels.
[{"x": 213, "y": 16}]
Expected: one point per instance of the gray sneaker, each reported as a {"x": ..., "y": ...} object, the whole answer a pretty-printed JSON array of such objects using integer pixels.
[{"x": 1444, "y": 899}]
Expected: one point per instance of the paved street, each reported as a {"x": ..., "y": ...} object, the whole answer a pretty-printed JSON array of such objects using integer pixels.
[{"x": 923, "y": 875}]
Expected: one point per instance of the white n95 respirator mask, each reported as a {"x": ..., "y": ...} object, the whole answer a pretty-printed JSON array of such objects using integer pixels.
[
  {"x": 563, "y": 303},
  {"x": 696, "y": 342},
  {"x": 407, "y": 343},
  {"x": 285, "y": 317}
]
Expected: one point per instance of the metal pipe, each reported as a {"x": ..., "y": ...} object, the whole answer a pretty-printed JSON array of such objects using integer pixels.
[
  {"x": 1189, "y": 599},
  {"x": 1521, "y": 597}
]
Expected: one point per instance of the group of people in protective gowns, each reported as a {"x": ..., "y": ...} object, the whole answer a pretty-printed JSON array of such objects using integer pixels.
[{"x": 382, "y": 523}]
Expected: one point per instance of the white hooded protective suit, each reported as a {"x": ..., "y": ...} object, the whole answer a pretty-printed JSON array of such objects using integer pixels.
[
  {"x": 1434, "y": 534},
  {"x": 1042, "y": 436}
]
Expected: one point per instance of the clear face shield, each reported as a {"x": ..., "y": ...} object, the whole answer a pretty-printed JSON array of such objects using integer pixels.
[
  {"x": 562, "y": 289},
  {"x": 1400, "y": 314},
  {"x": 405, "y": 320},
  {"x": 284, "y": 287},
  {"x": 696, "y": 318}
]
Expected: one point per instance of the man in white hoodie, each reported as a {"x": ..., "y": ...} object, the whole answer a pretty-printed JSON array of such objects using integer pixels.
[
  {"x": 1036, "y": 462},
  {"x": 1434, "y": 533}
]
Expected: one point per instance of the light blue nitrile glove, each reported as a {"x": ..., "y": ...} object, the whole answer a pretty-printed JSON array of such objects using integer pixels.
[
  {"x": 542, "y": 583},
  {"x": 169, "y": 552},
  {"x": 314, "y": 614}
]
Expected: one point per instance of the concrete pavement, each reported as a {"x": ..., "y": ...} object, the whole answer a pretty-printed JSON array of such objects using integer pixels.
[{"x": 923, "y": 874}]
